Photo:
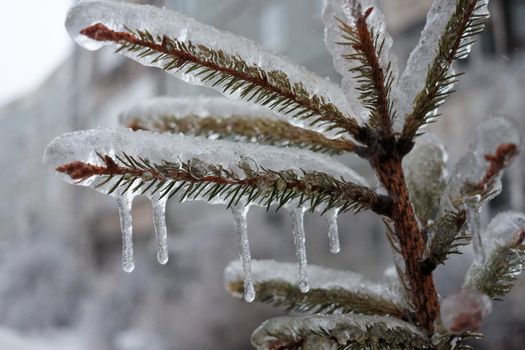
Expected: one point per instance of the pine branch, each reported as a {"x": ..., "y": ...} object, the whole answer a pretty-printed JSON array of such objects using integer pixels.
[
  {"x": 331, "y": 291},
  {"x": 456, "y": 39},
  {"x": 447, "y": 230},
  {"x": 375, "y": 81},
  {"x": 232, "y": 74},
  {"x": 346, "y": 332},
  {"x": 240, "y": 128},
  {"x": 195, "y": 179},
  {"x": 504, "y": 264}
]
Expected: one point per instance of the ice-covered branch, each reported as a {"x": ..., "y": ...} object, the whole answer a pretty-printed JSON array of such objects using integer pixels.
[
  {"x": 475, "y": 180},
  {"x": 364, "y": 45},
  {"x": 203, "y": 55},
  {"x": 351, "y": 331},
  {"x": 219, "y": 118},
  {"x": 213, "y": 170},
  {"x": 504, "y": 248},
  {"x": 331, "y": 291},
  {"x": 373, "y": 49},
  {"x": 429, "y": 76}
]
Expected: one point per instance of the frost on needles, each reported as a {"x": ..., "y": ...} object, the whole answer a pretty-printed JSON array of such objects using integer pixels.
[{"x": 271, "y": 144}]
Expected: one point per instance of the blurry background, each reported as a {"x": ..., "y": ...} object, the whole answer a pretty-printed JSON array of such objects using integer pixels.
[{"x": 61, "y": 284}]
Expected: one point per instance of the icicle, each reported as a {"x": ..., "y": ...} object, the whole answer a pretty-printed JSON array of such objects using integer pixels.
[
  {"x": 333, "y": 230},
  {"x": 124, "y": 208},
  {"x": 161, "y": 232},
  {"x": 472, "y": 206},
  {"x": 300, "y": 246},
  {"x": 241, "y": 231}
]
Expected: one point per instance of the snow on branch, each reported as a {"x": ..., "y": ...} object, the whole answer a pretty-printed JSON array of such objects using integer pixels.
[
  {"x": 350, "y": 331},
  {"x": 219, "y": 118},
  {"x": 429, "y": 77},
  {"x": 331, "y": 291},
  {"x": 475, "y": 180},
  {"x": 203, "y": 55},
  {"x": 357, "y": 39},
  {"x": 504, "y": 248}
]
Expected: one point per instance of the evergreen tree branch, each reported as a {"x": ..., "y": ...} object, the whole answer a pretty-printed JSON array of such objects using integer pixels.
[
  {"x": 496, "y": 276},
  {"x": 240, "y": 128},
  {"x": 455, "y": 40},
  {"x": 375, "y": 81},
  {"x": 346, "y": 332},
  {"x": 448, "y": 229},
  {"x": 195, "y": 179},
  {"x": 331, "y": 291},
  {"x": 272, "y": 89}
]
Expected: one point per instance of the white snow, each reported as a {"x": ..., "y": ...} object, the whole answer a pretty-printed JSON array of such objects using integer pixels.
[{"x": 163, "y": 22}]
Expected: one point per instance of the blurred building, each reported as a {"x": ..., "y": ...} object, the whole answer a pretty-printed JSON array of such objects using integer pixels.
[{"x": 60, "y": 275}]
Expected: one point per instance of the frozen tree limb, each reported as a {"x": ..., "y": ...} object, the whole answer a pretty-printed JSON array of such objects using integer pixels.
[
  {"x": 331, "y": 291},
  {"x": 477, "y": 174},
  {"x": 209, "y": 170},
  {"x": 351, "y": 331},
  {"x": 219, "y": 118},
  {"x": 461, "y": 20},
  {"x": 503, "y": 241},
  {"x": 239, "y": 68}
]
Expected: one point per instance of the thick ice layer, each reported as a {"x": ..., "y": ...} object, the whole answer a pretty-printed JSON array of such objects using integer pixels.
[
  {"x": 201, "y": 106},
  {"x": 472, "y": 167},
  {"x": 502, "y": 229},
  {"x": 119, "y": 15},
  {"x": 319, "y": 278},
  {"x": 83, "y": 145},
  {"x": 425, "y": 172},
  {"x": 339, "y": 9},
  {"x": 413, "y": 78}
]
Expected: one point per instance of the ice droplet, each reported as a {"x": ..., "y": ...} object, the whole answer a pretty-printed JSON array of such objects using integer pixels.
[
  {"x": 161, "y": 232},
  {"x": 472, "y": 207},
  {"x": 333, "y": 230},
  {"x": 241, "y": 232},
  {"x": 124, "y": 208},
  {"x": 300, "y": 246}
]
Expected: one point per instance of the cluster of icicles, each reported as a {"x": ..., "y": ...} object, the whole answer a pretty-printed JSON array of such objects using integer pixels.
[{"x": 241, "y": 231}]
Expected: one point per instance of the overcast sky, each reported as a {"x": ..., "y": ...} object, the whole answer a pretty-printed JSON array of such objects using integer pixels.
[{"x": 34, "y": 42}]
